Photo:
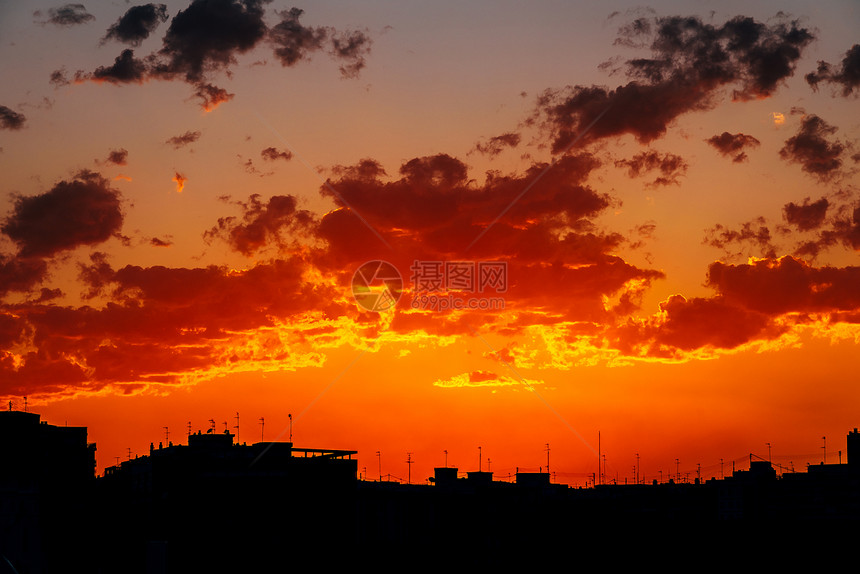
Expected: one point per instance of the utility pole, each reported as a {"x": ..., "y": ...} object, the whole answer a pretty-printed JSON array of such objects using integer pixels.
[
  {"x": 599, "y": 474},
  {"x": 636, "y": 473},
  {"x": 409, "y": 468},
  {"x": 677, "y": 470},
  {"x": 603, "y": 476},
  {"x": 769, "y": 459},
  {"x": 379, "y": 460}
]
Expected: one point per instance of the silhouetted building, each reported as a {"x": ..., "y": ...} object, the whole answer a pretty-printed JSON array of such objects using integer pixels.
[
  {"x": 216, "y": 504},
  {"x": 46, "y": 479}
]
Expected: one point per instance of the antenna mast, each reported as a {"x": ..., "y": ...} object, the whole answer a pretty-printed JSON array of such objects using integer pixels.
[{"x": 409, "y": 468}]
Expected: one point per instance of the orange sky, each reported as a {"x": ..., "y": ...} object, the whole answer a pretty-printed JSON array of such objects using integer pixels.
[{"x": 189, "y": 191}]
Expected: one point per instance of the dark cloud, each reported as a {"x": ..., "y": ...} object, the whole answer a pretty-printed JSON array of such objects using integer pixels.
[
  {"x": 729, "y": 144},
  {"x": 158, "y": 242},
  {"x": 161, "y": 325},
  {"x": 211, "y": 96},
  {"x": 83, "y": 211},
  {"x": 273, "y": 154},
  {"x": 262, "y": 224},
  {"x": 669, "y": 165},
  {"x": 351, "y": 49},
  {"x": 118, "y": 157},
  {"x": 185, "y": 139},
  {"x": 292, "y": 41},
  {"x": 691, "y": 63},
  {"x": 811, "y": 148},
  {"x": 66, "y": 15},
  {"x": 58, "y": 78},
  {"x": 807, "y": 215},
  {"x": 125, "y": 69},
  {"x": 10, "y": 119},
  {"x": 137, "y": 24},
  {"x": 496, "y": 144},
  {"x": 752, "y": 238},
  {"x": 846, "y": 75},
  {"x": 21, "y": 274},
  {"x": 787, "y": 285},
  {"x": 206, "y": 38}
]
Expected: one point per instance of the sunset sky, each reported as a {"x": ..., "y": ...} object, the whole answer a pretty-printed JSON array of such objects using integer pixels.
[{"x": 671, "y": 191}]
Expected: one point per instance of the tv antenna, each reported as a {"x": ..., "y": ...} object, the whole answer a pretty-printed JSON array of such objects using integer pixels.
[
  {"x": 166, "y": 435},
  {"x": 237, "y": 427},
  {"x": 409, "y": 462},
  {"x": 379, "y": 461}
]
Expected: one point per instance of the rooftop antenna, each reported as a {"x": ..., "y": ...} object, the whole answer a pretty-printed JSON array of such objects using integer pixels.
[
  {"x": 166, "y": 435},
  {"x": 479, "y": 459},
  {"x": 547, "y": 458},
  {"x": 489, "y": 462},
  {"x": 262, "y": 428},
  {"x": 237, "y": 426},
  {"x": 225, "y": 427},
  {"x": 636, "y": 469},
  {"x": 409, "y": 462},
  {"x": 189, "y": 429},
  {"x": 379, "y": 461},
  {"x": 446, "y": 458},
  {"x": 824, "y": 438},
  {"x": 291, "y": 426},
  {"x": 599, "y": 474},
  {"x": 129, "y": 453}
]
